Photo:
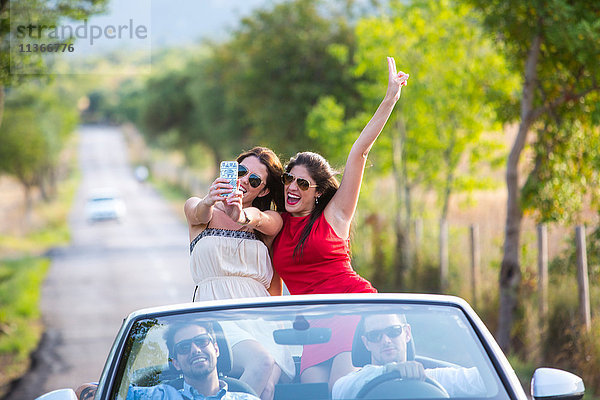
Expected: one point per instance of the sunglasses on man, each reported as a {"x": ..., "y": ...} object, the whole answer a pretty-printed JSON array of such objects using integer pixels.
[
  {"x": 302, "y": 183},
  {"x": 391, "y": 332},
  {"x": 185, "y": 346},
  {"x": 253, "y": 179}
]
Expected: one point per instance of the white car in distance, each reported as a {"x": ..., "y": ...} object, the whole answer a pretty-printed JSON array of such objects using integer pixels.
[{"x": 105, "y": 204}]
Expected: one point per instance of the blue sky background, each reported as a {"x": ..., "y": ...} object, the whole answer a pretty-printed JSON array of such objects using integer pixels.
[{"x": 179, "y": 22}]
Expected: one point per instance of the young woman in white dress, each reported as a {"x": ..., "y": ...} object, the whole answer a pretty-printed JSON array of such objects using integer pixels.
[{"x": 230, "y": 237}]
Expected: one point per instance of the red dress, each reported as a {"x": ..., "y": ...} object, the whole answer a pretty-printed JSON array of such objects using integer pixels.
[{"x": 324, "y": 267}]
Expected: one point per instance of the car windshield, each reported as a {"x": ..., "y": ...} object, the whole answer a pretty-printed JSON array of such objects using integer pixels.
[
  {"x": 102, "y": 199},
  {"x": 441, "y": 338}
]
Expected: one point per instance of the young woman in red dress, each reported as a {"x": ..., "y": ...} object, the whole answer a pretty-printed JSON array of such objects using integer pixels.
[{"x": 311, "y": 253}]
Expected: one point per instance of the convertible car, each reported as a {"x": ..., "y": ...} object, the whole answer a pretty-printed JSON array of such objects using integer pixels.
[{"x": 443, "y": 333}]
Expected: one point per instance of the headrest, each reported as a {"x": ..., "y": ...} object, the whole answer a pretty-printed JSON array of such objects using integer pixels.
[{"x": 224, "y": 359}]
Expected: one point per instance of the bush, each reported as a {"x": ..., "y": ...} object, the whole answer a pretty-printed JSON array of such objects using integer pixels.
[
  {"x": 586, "y": 357},
  {"x": 20, "y": 327}
]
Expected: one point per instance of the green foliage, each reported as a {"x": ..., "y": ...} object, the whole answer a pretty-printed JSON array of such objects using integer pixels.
[
  {"x": 23, "y": 145},
  {"x": 456, "y": 74},
  {"x": 565, "y": 99},
  {"x": 217, "y": 118},
  {"x": 554, "y": 44},
  {"x": 129, "y": 103},
  {"x": 188, "y": 104},
  {"x": 326, "y": 124},
  {"x": 36, "y": 12},
  {"x": 564, "y": 182},
  {"x": 167, "y": 106},
  {"x": 443, "y": 135},
  {"x": 38, "y": 119},
  {"x": 20, "y": 328},
  {"x": 21, "y": 278},
  {"x": 255, "y": 88},
  {"x": 20, "y": 285},
  {"x": 586, "y": 360},
  {"x": 286, "y": 59}
]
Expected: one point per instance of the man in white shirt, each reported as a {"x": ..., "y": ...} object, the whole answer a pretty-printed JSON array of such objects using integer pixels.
[{"x": 385, "y": 337}]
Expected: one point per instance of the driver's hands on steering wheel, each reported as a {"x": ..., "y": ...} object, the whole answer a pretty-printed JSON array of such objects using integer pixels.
[{"x": 407, "y": 369}]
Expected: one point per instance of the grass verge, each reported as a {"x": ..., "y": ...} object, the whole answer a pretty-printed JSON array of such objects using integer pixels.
[
  {"x": 20, "y": 322},
  {"x": 23, "y": 268}
]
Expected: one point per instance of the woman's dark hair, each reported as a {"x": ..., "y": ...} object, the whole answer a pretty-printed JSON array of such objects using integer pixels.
[
  {"x": 273, "y": 199},
  {"x": 324, "y": 176}
]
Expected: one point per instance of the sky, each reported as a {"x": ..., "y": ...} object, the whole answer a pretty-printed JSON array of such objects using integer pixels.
[
  {"x": 141, "y": 27},
  {"x": 178, "y": 22}
]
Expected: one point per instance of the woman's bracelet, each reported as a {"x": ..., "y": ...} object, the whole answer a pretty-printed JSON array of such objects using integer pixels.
[{"x": 246, "y": 219}]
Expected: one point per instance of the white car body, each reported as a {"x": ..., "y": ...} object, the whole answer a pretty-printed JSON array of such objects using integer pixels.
[{"x": 447, "y": 332}]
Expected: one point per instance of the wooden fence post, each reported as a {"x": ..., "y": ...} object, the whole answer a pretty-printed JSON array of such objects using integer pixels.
[
  {"x": 542, "y": 242},
  {"x": 582, "y": 278},
  {"x": 475, "y": 262},
  {"x": 418, "y": 225},
  {"x": 443, "y": 255}
]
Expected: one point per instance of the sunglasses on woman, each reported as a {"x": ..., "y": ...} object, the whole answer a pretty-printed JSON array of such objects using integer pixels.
[
  {"x": 253, "y": 179},
  {"x": 392, "y": 332},
  {"x": 185, "y": 346},
  {"x": 302, "y": 183}
]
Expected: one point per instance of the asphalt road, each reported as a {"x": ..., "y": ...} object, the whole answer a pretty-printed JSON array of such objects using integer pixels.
[{"x": 109, "y": 270}]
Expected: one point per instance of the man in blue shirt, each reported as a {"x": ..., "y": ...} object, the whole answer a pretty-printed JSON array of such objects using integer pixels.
[{"x": 193, "y": 350}]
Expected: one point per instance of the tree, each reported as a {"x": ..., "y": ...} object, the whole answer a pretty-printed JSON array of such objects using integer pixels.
[
  {"x": 34, "y": 12},
  {"x": 35, "y": 128},
  {"x": 555, "y": 46},
  {"x": 218, "y": 119},
  {"x": 444, "y": 112},
  {"x": 194, "y": 105},
  {"x": 565, "y": 180},
  {"x": 258, "y": 86},
  {"x": 286, "y": 59},
  {"x": 167, "y": 108}
]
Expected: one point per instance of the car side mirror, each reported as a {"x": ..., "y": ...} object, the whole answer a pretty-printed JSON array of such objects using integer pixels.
[
  {"x": 556, "y": 384},
  {"x": 60, "y": 394}
]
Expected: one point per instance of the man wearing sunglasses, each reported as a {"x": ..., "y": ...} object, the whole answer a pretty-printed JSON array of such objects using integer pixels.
[
  {"x": 386, "y": 337},
  {"x": 193, "y": 351}
]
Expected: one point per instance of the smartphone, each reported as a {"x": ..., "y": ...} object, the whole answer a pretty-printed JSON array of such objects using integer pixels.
[{"x": 229, "y": 171}]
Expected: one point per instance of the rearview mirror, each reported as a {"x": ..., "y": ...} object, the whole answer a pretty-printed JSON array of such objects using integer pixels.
[
  {"x": 556, "y": 384},
  {"x": 305, "y": 336}
]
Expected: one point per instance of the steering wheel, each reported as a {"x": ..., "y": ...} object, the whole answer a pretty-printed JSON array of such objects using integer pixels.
[{"x": 391, "y": 386}]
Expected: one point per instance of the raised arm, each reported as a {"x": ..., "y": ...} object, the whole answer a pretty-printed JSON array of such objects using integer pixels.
[{"x": 340, "y": 210}]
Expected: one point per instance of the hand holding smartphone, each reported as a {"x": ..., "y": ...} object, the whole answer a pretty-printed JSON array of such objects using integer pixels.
[{"x": 229, "y": 171}]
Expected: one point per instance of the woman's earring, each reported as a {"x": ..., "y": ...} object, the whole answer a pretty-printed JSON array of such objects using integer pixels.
[{"x": 317, "y": 200}]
